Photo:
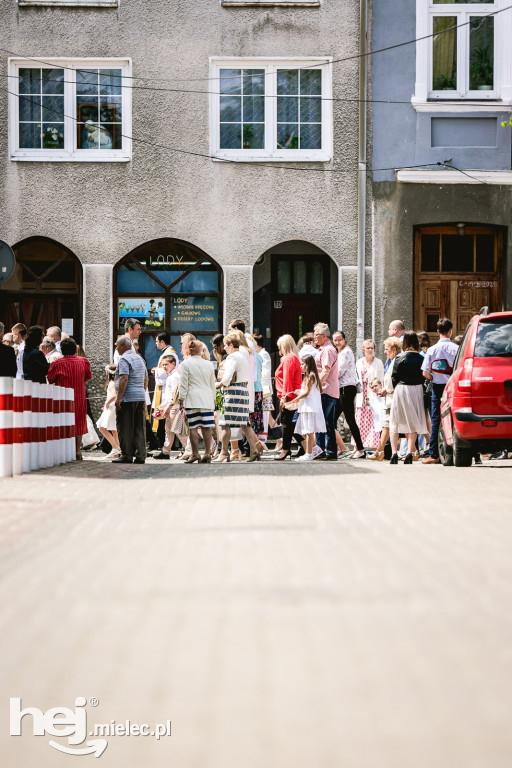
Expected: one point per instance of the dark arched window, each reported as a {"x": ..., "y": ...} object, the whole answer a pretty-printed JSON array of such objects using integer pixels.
[
  {"x": 168, "y": 285},
  {"x": 45, "y": 288}
]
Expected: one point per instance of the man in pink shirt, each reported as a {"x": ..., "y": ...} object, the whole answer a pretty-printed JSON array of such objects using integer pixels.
[{"x": 327, "y": 365}]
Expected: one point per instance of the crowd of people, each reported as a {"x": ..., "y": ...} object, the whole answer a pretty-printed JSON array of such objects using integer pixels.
[{"x": 228, "y": 399}]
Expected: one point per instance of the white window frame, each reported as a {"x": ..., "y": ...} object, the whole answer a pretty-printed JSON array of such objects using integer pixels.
[
  {"x": 70, "y": 152},
  {"x": 271, "y": 152},
  {"x": 425, "y": 12}
]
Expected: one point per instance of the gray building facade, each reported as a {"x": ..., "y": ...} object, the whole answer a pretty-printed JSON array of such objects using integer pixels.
[
  {"x": 184, "y": 163},
  {"x": 441, "y": 159}
]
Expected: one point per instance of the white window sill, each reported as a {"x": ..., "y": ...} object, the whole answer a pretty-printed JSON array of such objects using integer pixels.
[
  {"x": 255, "y": 3},
  {"x": 90, "y": 3},
  {"x": 419, "y": 176},
  {"x": 462, "y": 105},
  {"x": 64, "y": 157},
  {"x": 321, "y": 157}
]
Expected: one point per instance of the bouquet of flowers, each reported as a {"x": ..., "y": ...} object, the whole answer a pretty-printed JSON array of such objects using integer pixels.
[{"x": 219, "y": 401}]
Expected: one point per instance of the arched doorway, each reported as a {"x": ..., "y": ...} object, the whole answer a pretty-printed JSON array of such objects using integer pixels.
[
  {"x": 168, "y": 285},
  {"x": 45, "y": 288},
  {"x": 295, "y": 286}
]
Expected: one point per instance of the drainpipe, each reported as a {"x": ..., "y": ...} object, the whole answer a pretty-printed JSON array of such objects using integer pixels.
[{"x": 361, "y": 214}]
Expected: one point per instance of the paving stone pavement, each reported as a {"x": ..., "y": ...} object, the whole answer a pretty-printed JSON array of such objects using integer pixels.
[{"x": 349, "y": 615}]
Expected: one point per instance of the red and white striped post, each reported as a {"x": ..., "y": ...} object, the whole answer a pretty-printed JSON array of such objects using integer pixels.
[
  {"x": 49, "y": 419},
  {"x": 27, "y": 424},
  {"x": 6, "y": 387},
  {"x": 34, "y": 423},
  {"x": 18, "y": 388},
  {"x": 42, "y": 426},
  {"x": 55, "y": 427},
  {"x": 62, "y": 425},
  {"x": 70, "y": 425}
]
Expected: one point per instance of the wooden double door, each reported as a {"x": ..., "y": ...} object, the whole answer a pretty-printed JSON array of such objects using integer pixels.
[{"x": 457, "y": 272}]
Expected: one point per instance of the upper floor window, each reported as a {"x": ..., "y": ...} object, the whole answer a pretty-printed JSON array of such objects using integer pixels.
[
  {"x": 463, "y": 51},
  {"x": 69, "y": 110},
  {"x": 273, "y": 110}
]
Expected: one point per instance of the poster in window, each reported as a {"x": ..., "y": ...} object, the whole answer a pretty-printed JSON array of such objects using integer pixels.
[
  {"x": 149, "y": 312},
  {"x": 194, "y": 313}
]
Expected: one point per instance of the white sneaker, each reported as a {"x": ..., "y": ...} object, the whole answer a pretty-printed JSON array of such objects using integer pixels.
[
  {"x": 305, "y": 457},
  {"x": 114, "y": 453},
  {"x": 316, "y": 450}
]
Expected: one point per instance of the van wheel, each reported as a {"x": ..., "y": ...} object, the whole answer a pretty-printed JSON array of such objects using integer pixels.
[
  {"x": 445, "y": 450},
  {"x": 462, "y": 454}
]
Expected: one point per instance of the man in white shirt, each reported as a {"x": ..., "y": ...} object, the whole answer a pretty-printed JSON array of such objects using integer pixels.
[
  {"x": 19, "y": 334},
  {"x": 163, "y": 344},
  {"x": 445, "y": 349},
  {"x": 55, "y": 334}
]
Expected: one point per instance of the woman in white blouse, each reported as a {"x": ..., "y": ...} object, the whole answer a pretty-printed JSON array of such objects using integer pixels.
[{"x": 369, "y": 406}]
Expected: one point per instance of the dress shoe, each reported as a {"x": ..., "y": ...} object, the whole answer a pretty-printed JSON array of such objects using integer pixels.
[
  {"x": 430, "y": 460},
  {"x": 122, "y": 460},
  {"x": 394, "y": 459},
  {"x": 300, "y": 452},
  {"x": 139, "y": 461},
  {"x": 287, "y": 455},
  {"x": 161, "y": 455}
]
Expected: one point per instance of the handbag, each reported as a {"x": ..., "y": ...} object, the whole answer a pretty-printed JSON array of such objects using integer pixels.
[
  {"x": 179, "y": 424},
  {"x": 359, "y": 387},
  {"x": 90, "y": 438}
]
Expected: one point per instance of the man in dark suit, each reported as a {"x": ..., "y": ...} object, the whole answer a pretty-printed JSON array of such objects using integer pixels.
[{"x": 7, "y": 357}]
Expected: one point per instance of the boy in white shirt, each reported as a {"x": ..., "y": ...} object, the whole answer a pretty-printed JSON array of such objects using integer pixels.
[{"x": 166, "y": 406}]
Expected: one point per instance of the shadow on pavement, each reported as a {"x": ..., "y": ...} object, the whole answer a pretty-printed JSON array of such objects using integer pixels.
[{"x": 102, "y": 470}]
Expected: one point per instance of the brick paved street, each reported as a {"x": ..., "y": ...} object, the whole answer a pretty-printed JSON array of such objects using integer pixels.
[{"x": 282, "y": 616}]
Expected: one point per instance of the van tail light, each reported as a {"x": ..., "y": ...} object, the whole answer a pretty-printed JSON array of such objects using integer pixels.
[
  {"x": 489, "y": 423},
  {"x": 465, "y": 380}
]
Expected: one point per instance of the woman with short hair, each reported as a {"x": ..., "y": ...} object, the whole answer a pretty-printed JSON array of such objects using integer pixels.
[
  {"x": 407, "y": 410},
  {"x": 236, "y": 377},
  {"x": 197, "y": 395},
  {"x": 73, "y": 371},
  {"x": 347, "y": 382}
]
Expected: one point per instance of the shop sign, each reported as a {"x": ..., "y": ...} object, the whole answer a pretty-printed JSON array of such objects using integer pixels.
[
  {"x": 194, "y": 313},
  {"x": 149, "y": 312}
]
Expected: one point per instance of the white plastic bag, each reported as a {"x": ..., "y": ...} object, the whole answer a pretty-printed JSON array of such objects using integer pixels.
[{"x": 91, "y": 437}]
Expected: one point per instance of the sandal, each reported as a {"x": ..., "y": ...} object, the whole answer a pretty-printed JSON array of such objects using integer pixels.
[
  {"x": 376, "y": 456},
  {"x": 235, "y": 455}
]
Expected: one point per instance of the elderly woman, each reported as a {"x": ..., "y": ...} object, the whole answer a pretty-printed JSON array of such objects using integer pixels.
[
  {"x": 236, "y": 376},
  {"x": 197, "y": 395},
  {"x": 368, "y": 404},
  {"x": 288, "y": 380},
  {"x": 73, "y": 371},
  {"x": 392, "y": 348},
  {"x": 407, "y": 411}
]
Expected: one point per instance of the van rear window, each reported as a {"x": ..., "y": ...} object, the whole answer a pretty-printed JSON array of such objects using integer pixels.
[{"x": 494, "y": 339}]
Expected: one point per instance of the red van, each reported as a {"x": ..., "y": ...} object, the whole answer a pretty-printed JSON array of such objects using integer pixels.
[{"x": 476, "y": 407}]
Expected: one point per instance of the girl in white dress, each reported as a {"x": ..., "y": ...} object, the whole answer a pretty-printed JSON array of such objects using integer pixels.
[
  {"x": 310, "y": 414},
  {"x": 107, "y": 421}
]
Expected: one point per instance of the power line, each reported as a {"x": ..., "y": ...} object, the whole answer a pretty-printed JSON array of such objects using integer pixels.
[{"x": 285, "y": 69}]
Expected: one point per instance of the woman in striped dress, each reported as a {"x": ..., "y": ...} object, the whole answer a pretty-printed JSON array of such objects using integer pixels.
[
  {"x": 72, "y": 371},
  {"x": 197, "y": 394},
  {"x": 236, "y": 376}
]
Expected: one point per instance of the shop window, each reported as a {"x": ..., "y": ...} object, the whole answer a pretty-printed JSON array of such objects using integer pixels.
[{"x": 171, "y": 286}]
